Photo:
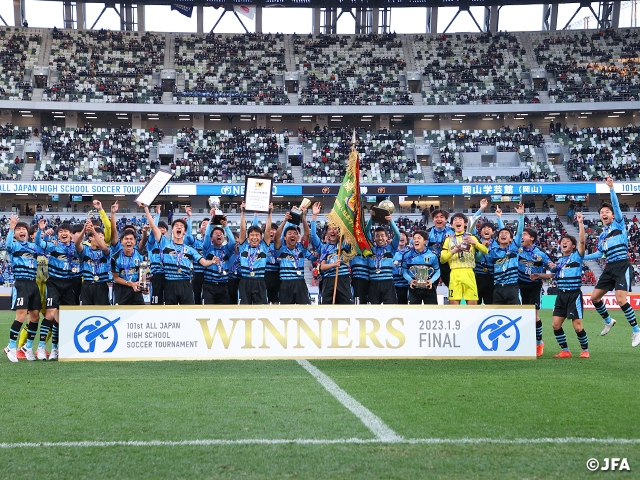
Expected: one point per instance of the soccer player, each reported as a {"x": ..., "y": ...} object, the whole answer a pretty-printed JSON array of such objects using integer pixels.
[
  {"x": 125, "y": 268},
  {"x": 401, "y": 283},
  {"x": 60, "y": 287},
  {"x": 504, "y": 258},
  {"x": 76, "y": 268},
  {"x": 291, "y": 254},
  {"x": 381, "y": 287},
  {"x": 329, "y": 262},
  {"x": 613, "y": 243},
  {"x": 568, "y": 275},
  {"x": 177, "y": 261},
  {"x": 459, "y": 252},
  {"x": 484, "y": 269},
  {"x": 253, "y": 252},
  {"x": 96, "y": 263},
  {"x": 156, "y": 257},
  {"x": 198, "y": 270},
  {"x": 216, "y": 277},
  {"x": 417, "y": 256},
  {"x": 25, "y": 296},
  {"x": 532, "y": 260},
  {"x": 272, "y": 268}
]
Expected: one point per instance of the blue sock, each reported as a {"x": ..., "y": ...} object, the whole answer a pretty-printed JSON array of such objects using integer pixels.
[
  {"x": 631, "y": 316},
  {"x": 54, "y": 345},
  {"x": 13, "y": 344},
  {"x": 29, "y": 344},
  {"x": 602, "y": 310},
  {"x": 42, "y": 344}
]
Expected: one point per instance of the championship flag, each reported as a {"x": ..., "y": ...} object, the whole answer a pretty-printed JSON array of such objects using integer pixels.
[
  {"x": 247, "y": 11},
  {"x": 186, "y": 10},
  {"x": 347, "y": 209}
]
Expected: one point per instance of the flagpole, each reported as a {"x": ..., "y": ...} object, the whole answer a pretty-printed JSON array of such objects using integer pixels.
[{"x": 335, "y": 282}]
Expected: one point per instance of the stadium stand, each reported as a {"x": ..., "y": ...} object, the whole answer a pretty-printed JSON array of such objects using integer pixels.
[
  {"x": 19, "y": 51},
  {"x": 474, "y": 69},
  {"x": 589, "y": 66},
  {"x": 230, "y": 69},
  {"x": 351, "y": 70},
  {"x": 105, "y": 66}
]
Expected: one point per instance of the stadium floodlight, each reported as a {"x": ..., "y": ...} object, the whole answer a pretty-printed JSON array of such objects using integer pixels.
[
  {"x": 25, "y": 111},
  {"x": 619, "y": 112},
  {"x": 460, "y": 115},
  {"x": 613, "y": 116}
]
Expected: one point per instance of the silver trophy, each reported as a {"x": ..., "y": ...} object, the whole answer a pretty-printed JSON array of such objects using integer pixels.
[
  {"x": 421, "y": 274},
  {"x": 214, "y": 203},
  {"x": 143, "y": 276}
]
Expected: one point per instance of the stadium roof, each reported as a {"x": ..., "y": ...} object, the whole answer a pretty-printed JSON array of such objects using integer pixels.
[{"x": 345, "y": 4}]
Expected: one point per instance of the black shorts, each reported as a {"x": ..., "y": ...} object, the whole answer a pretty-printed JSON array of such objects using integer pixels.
[
  {"x": 178, "y": 292},
  {"x": 272, "y": 281},
  {"x": 234, "y": 283},
  {"x": 94, "y": 293},
  {"x": 215, "y": 293},
  {"x": 485, "y": 289},
  {"x": 360, "y": 289},
  {"x": 382, "y": 291},
  {"x": 25, "y": 295},
  {"x": 506, "y": 295},
  {"x": 343, "y": 293},
  {"x": 294, "y": 292},
  {"x": 253, "y": 291},
  {"x": 568, "y": 305},
  {"x": 60, "y": 292},
  {"x": 77, "y": 289},
  {"x": 616, "y": 276},
  {"x": 531, "y": 293},
  {"x": 157, "y": 289},
  {"x": 402, "y": 294},
  {"x": 418, "y": 296},
  {"x": 123, "y": 295}
]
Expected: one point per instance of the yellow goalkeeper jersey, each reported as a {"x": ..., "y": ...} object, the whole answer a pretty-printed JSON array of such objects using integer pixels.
[{"x": 463, "y": 259}]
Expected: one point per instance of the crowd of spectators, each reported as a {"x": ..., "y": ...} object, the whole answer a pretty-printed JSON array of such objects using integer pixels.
[{"x": 17, "y": 52}]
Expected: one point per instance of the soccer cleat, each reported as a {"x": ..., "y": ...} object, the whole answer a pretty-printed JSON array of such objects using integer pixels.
[
  {"x": 539, "y": 349},
  {"x": 42, "y": 352},
  {"x": 54, "y": 354},
  {"x": 28, "y": 353},
  {"x": 563, "y": 354},
  {"x": 607, "y": 327},
  {"x": 6, "y": 349},
  {"x": 20, "y": 354},
  {"x": 635, "y": 339},
  {"x": 12, "y": 355},
  {"x": 584, "y": 354}
]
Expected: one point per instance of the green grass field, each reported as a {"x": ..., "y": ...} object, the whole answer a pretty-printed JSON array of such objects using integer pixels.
[{"x": 459, "y": 419}]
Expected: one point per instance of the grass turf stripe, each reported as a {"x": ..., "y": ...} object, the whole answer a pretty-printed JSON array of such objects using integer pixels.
[
  {"x": 337, "y": 441},
  {"x": 371, "y": 421}
]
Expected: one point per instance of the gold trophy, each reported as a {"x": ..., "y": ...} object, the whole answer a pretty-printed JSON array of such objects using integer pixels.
[
  {"x": 384, "y": 209},
  {"x": 422, "y": 273},
  {"x": 143, "y": 277},
  {"x": 296, "y": 212}
]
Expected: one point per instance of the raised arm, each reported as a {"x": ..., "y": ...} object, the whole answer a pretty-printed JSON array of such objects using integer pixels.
[
  {"x": 305, "y": 227},
  {"x": 13, "y": 221},
  {"x": 243, "y": 225},
  {"x": 267, "y": 227},
  {"x": 142, "y": 244},
  {"x": 80, "y": 238},
  {"x": 483, "y": 204},
  {"x": 278, "y": 237},
  {"x": 157, "y": 234},
  {"x": 105, "y": 220},
  {"x": 42, "y": 224},
  {"x": 188, "y": 236},
  {"x": 581, "y": 237},
  {"x": 315, "y": 239},
  {"x": 396, "y": 235},
  {"x": 114, "y": 225},
  {"x": 614, "y": 200},
  {"x": 520, "y": 210},
  {"x": 499, "y": 215}
]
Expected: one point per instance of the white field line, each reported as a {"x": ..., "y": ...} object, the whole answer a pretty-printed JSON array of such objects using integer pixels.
[
  {"x": 338, "y": 441},
  {"x": 371, "y": 421}
]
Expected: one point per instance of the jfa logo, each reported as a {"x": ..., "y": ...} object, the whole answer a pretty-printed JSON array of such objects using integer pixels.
[
  {"x": 609, "y": 464},
  {"x": 495, "y": 328},
  {"x": 96, "y": 330}
]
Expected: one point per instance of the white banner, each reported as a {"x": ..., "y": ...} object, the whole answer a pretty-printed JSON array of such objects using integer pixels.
[
  {"x": 610, "y": 301},
  {"x": 78, "y": 188},
  {"x": 289, "y": 332}
]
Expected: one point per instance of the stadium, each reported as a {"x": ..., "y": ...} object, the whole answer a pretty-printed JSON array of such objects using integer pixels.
[{"x": 533, "y": 132}]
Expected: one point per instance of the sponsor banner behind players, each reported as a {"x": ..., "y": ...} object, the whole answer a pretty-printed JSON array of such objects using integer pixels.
[
  {"x": 610, "y": 302},
  {"x": 237, "y": 332}
]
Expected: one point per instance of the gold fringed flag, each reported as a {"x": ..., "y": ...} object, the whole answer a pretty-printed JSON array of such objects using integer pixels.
[{"x": 347, "y": 210}]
